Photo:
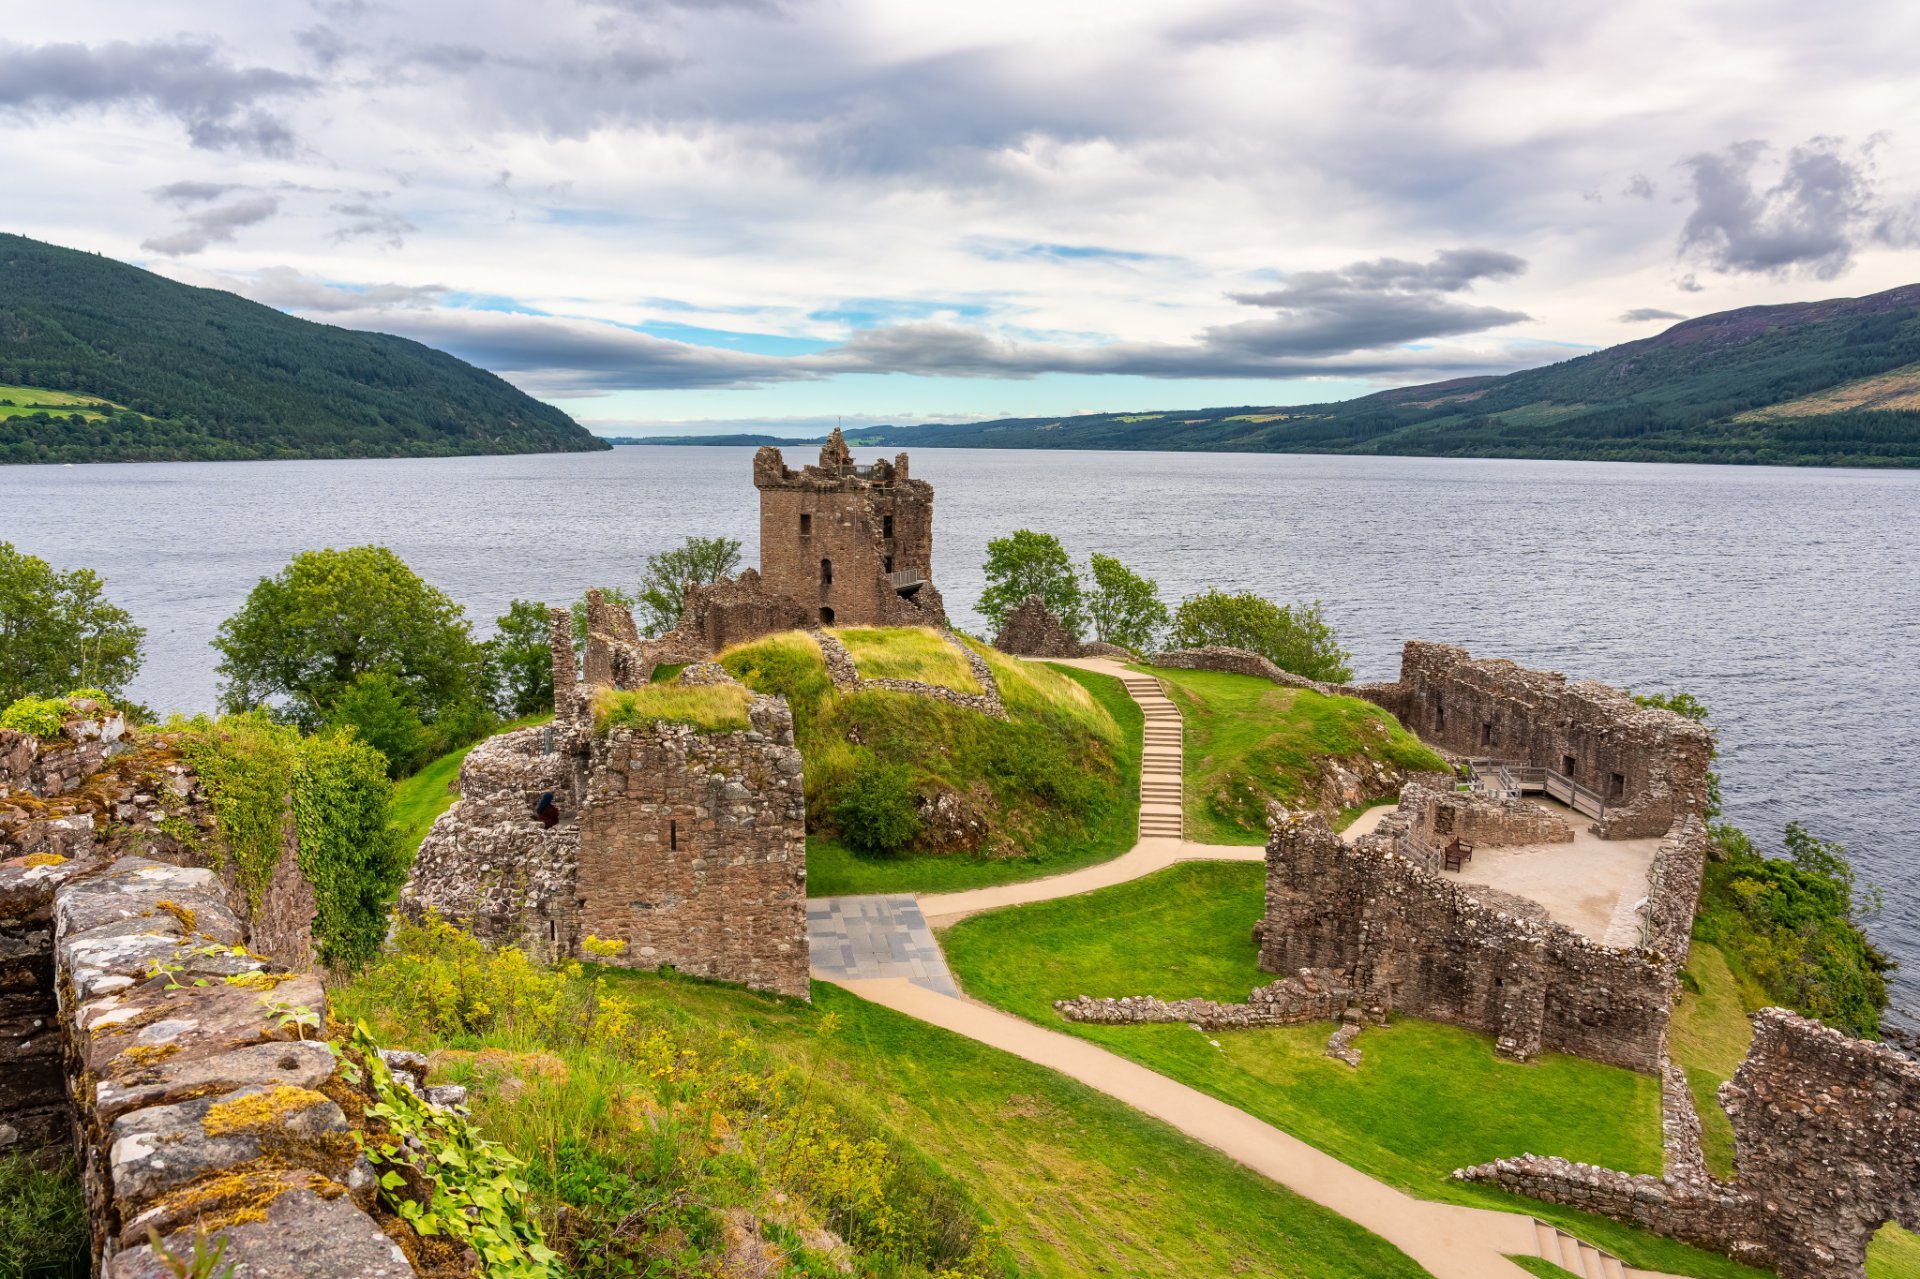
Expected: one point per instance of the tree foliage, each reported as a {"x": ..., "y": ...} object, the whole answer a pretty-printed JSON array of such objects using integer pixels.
[
  {"x": 877, "y": 812},
  {"x": 1125, "y": 608},
  {"x": 664, "y": 582},
  {"x": 381, "y": 711},
  {"x": 1027, "y": 563},
  {"x": 519, "y": 660},
  {"x": 59, "y": 631},
  {"x": 203, "y": 374},
  {"x": 1295, "y": 638},
  {"x": 309, "y": 633}
]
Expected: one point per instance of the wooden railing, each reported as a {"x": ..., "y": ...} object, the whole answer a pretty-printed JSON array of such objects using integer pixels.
[{"x": 1507, "y": 778}]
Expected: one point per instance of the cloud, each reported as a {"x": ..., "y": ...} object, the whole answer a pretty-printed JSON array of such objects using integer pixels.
[
  {"x": 1642, "y": 314},
  {"x": 1810, "y": 221},
  {"x": 370, "y": 222},
  {"x": 547, "y": 355},
  {"x": 192, "y": 82},
  {"x": 289, "y": 290},
  {"x": 189, "y": 192},
  {"x": 1639, "y": 187},
  {"x": 216, "y": 225}
]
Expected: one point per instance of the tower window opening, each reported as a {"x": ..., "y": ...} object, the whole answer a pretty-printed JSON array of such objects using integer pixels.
[
  {"x": 826, "y": 572},
  {"x": 806, "y": 524},
  {"x": 673, "y": 835},
  {"x": 886, "y": 526}
]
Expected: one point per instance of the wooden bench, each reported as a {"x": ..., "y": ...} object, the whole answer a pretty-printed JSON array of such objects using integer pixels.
[{"x": 1458, "y": 854}]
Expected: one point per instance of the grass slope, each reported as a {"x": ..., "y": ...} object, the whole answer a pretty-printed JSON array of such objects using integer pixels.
[
  {"x": 418, "y": 799},
  {"x": 212, "y": 376},
  {"x": 1249, "y": 740},
  {"x": 1076, "y": 1183},
  {"x": 907, "y": 652},
  {"x": 1058, "y": 781},
  {"x": 1427, "y": 1099}
]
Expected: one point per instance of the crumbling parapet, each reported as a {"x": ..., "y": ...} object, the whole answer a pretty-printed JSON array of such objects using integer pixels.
[
  {"x": 1404, "y": 937},
  {"x": 1648, "y": 766}
]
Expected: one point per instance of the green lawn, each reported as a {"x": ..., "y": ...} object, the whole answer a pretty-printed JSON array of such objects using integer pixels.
[
  {"x": 1249, "y": 740},
  {"x": 418, "y": 799},
  {"x": 28, "y": 400},
  {"x": 1427, "y": 1099},
  {"x": 835, "y": 870},
  {"x": 1894, "y": 1254},
  {"x": 1076, "y": 1183}
]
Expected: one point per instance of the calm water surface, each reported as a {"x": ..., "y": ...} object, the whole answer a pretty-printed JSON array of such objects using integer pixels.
[{"x": 1788, "y": 600}]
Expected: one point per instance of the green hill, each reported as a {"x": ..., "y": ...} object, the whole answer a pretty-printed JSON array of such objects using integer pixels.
[
  {"x": 105, "y": 362},
  {"x": 1834, "y": 383}
]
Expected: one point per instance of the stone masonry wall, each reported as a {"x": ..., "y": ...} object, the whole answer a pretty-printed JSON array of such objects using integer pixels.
[
  {"x": 198, "y": 1102},
  {"x": 1403, "y": 937},
  {"x": 1306, "y": 996},
  {"x": 845, "y": 676},
  {"x": 830, "y": 534},
  {"x": 1033, "y": 631},
  {"x": 1238, "y": 661},
  {"x": 1649, "y": 765},
  {"x": 1437, "y": 817},
  {"x": 693, "y": 850}
]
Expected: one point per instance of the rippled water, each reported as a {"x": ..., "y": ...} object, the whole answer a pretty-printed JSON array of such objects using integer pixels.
[{"x": 1788, "y": 600}]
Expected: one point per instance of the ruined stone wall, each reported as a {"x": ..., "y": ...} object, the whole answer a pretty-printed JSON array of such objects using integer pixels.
[
  {"x": 33, "y": 1096},
  {"x": 830, "y": 534},
  {"x": 1405, "y": 938},
  {"x": 1827, "y": 1138},
  {"x": 490, "y": 863},
  {"x": 732, "y": 611},
  {"x": 841, "y": 670},
  {"x": 693, "y": 850},
  {"x": 1437, "y": 817},
  {"x": 1306, "y": 996},
  {"x": 1649, "y": 765},
  {"x": 1033, "y": 631}
]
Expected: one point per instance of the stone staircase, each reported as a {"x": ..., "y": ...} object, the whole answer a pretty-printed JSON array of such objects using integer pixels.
[
  {"x": 1160, "y": 762},
  {"x": 1576, "y": 1257}
]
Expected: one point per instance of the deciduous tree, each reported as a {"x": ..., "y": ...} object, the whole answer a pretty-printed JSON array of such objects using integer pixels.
[
  {"x": 1027, "y": 563},
  {"x": 58, "y": 631},
  {"x": 1125, "y": 607},
  {"x": 1295, "y": 638},
  {"x": 663, "y": 584}
]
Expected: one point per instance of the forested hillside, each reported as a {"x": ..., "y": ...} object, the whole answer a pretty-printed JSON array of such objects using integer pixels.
[
  {"x": 1833, "y": 383},
  {"x": 105, "y": 362}
]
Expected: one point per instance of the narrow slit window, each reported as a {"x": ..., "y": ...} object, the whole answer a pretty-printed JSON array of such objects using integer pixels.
[
  {"x": 673, "y": 835},
  {"x": 889, "y": 563},
  {"x": 826, "y": 572},
  {"x": 806, "y": 524},
  {"x": 886, "y": 526},
  {"x": 1486, "y": 734}
]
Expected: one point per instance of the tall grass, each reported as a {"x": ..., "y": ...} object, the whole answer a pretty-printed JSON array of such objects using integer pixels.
[
  {"x": 907, "y": 652},
  {"x": 43, "y": 1221},
  {"x": 707, "y": 708}
]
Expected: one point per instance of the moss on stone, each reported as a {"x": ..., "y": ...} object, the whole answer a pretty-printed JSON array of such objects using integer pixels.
[{"x": 258, "y": 1110}]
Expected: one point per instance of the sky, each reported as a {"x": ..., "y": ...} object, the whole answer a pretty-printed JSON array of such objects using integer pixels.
[{"x": 718, "y": 215}]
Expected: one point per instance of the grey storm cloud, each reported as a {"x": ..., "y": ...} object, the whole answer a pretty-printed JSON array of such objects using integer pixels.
[
  {"x": 369, "y": 222},
  {"x": 215, "y": 225},
  {"x": 1820, "y": 211},
  {"x": 189, "y": 192},
  {"x": 1642, "y": 314},
  {"x": 288, "y": 289},
  {"x": 214, "y": 99}
]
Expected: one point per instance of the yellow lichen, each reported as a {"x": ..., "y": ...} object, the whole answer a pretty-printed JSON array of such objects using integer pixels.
[
  {"x": 260, "y": 1110},
  {"x": 188, "y": 920},
  {"x": 147, "y": 1054},
  {"x": 43, "y": 859},
  {"x": 259, "y": 980}
]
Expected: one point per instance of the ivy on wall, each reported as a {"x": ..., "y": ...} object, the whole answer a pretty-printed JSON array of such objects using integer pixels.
[{"x": 268, "y": 789}]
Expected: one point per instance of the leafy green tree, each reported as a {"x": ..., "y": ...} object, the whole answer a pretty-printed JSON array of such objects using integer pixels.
[
  {"x": 381, "y": 712},
  {"x": 664, "y": 582},
  {"x": 520, "y": 660},
  {"x": 1295, "y": 638},
  {"x": 1125, "y": 607},
  {"x": 308, "y": 633},
  {"x": 58, "y": 631},
  {"x": 1027, "y": 563}
]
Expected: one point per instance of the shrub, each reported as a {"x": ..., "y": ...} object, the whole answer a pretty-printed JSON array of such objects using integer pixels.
[
  {"x": 877, "y": 810},
  {"x": 41, "y": 716},
  {"x": 1295, "y": 638},
  {"x": 380, "y": 710}
]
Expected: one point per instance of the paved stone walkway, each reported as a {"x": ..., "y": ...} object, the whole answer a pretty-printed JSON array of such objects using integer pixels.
[{"x": 867, "y": 938}]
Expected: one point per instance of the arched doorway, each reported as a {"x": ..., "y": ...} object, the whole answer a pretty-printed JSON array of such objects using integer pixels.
[{"x": 826, "y": 615}]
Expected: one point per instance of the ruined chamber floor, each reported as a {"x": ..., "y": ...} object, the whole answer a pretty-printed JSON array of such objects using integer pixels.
[{"x": 1592, "y": 885}]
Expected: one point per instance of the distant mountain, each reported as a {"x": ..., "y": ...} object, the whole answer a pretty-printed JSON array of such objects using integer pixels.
[
  {"x": 1833, "y": 383},
  {"x": 105, "y": 362}
]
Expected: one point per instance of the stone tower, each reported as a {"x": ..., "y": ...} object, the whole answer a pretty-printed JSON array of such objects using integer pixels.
[{"x": 852, "y": 544}]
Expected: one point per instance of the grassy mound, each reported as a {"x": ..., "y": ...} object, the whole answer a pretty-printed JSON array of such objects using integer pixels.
[
  {"x": 1427, "y": 1098},
  {"x": 907, "y": 652},
  {"x": 1054, "y": 785},
  {"x": 1249, "y": 741},
  {"x": 667, "y": 1115},
  {"x": 708, "y": 708}
]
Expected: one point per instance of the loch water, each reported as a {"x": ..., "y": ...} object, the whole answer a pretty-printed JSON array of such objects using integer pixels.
[{"x": 1787, "y": 600}]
